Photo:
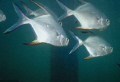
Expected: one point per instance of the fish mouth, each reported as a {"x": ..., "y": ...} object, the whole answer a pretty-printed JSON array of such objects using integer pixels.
[
  {"x": 65, "y": 42},
  {"x": 108, "y": 23},
  {"x": 3, "y": 17},
  {"x": 111, "y": 49}
]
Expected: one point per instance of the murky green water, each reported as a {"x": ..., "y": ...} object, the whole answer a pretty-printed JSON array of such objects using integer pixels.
[{"x": 47, "y": 63}]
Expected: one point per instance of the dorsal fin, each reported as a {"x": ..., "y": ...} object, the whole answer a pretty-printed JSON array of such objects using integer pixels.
[
  {"x": 41, "y": 6},
  {"x": 29, "y": 11}
]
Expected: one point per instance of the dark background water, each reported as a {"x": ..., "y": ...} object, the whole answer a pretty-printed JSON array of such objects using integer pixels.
[{"x": 47, "y": 63}]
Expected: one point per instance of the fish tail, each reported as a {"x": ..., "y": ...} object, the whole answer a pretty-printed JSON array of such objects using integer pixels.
[
  {"x": 67, "y": 13},
  {"x": 29, "y": 11},
  {"x": 23, "y": 20},
  {"x": 78, "y": 44}
]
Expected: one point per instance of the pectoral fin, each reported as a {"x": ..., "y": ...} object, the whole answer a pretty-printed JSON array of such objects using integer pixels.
[
  {"x": 88, "y": 57},
  {"x": 33, "y": 43}
]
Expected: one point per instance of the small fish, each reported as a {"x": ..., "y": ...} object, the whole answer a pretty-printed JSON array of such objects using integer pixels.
[
  {"x": 118, "y": 64},
  {"x": 95, "y": 45},
  {"x": 2, "y": 16},
  {"x": 88, "y": 16},
  {"x": 46, "y": 28}
]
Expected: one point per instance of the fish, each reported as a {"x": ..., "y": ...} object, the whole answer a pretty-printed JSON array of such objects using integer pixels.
[
  {"x": 88, "y": 16},
  {"x": 46, "y": 28},
  {"x": 95, "y": 45},
  {"x": 2, "y": 16}
]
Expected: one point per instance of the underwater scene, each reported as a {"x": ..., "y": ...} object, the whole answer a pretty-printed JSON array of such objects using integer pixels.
[{"x": 59, "y": 41}]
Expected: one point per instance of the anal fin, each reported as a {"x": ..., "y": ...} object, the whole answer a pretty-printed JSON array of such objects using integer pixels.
[
  {"x": 80, "y": 28},
  {"x": 88, "y": 57},
  {"x": 33, "y": 43}
]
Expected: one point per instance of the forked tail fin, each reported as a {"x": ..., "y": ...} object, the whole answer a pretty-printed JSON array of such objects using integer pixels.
[
  {"x": 78, "y": 44},
  {"x": 67, "y": 13},
  {"x": 23, "y": 20}
]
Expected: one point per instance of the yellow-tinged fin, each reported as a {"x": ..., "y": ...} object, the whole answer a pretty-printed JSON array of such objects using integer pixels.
[
  {"x": 33, "y": 43},
  {"x": 88, "y": 57},
  {"x": 79, "y": 28}
]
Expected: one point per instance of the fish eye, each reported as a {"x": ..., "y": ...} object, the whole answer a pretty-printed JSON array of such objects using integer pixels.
[
  {"x": 111, "y": 48},
  {"x": 67, "y": 39},
  {"x": 60, "y": 23},
  {"x": 107, "y": 20}
]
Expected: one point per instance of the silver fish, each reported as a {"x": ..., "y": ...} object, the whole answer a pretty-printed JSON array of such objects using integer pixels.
[
  {"x": 88, "y": 16},
  {"x": 47, "y": 30},
  {"x": 2, "y": 16},
  {"x": 95, "y": 45}
]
